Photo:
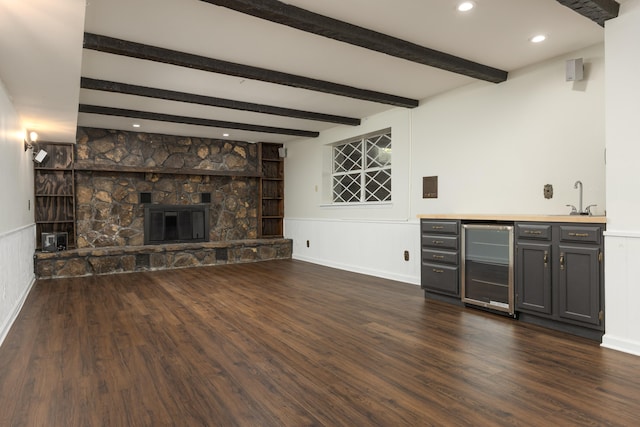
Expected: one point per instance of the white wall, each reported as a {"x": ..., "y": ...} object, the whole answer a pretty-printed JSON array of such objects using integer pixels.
[
  {"x": 17, "y": 229},
  {"x": 622, "y": 240},
  {"x": 493, "y": 148},
  {"x": 366, "y": 239}
]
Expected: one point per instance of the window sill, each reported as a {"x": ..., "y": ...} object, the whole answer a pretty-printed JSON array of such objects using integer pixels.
[{"x": 357, "y": 205}]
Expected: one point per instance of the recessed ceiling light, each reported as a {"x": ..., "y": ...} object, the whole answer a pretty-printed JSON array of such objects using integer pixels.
[
  {"x": 538, "y": 38},
  {"x": 136, "y": 125},
  {"x": 225, "y": 134},
  {"x": 466, "y": 6}
]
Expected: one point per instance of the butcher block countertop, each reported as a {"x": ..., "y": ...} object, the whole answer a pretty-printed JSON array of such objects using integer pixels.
[{"x": 519, "y": 217}]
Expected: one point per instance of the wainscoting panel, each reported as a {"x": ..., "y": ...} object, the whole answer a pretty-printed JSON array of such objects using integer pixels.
[
  {"x": 16, "y": 277},
  {"x": 376, "y": 248},
  {"x": 622, "y": 291}
]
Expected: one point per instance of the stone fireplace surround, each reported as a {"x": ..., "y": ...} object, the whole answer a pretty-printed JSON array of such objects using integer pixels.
[{"x": 112, "y": 170}]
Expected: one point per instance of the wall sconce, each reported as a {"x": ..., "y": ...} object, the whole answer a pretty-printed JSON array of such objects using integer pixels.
[{"x": 30, "y": 140}]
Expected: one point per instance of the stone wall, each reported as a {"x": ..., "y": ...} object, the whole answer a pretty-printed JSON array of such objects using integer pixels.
[
  {"x": 108, "y": 207},
  {"x": 101, "y": 147}
]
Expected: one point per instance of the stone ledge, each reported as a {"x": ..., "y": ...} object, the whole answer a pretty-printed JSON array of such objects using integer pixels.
[{"x": 118, "y": 259}]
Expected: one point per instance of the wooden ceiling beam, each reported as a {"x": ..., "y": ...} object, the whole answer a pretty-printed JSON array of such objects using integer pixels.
[
  {"x": 182, "y": 59},
  {"x": 146, "y": 115},
  {"x": 302, "y": 19},
  {"x": 149, "y": 92},
  {"x": 597, "y": 10}
]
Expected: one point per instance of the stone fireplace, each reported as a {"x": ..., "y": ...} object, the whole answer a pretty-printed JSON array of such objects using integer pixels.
[
  {"x": 148, "y": 201},
  {"x": 110, "y": 211},
  {"x": 116, "y": 169}
]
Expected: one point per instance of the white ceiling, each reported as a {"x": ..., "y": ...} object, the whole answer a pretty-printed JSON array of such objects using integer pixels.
[{"x": 43, "y": 60}]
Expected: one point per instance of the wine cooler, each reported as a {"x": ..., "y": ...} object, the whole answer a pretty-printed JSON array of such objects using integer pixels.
[{"x": 487, "y": 266}]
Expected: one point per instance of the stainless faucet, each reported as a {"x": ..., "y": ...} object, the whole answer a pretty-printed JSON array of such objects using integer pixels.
[
  {"x": 579, "y": 211},
  {"x": 576, "y": 185}
]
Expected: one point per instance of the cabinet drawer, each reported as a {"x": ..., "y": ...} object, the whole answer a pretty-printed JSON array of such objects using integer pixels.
[
  {"x": 440, "y": 278},
  {"x": 444, "y": 242},
  {"x": 444, "y": 227},
  {"x": 430, "y": 256},
  {"x": 533, "y": 231},
  {"x": 574, "y": 233}
]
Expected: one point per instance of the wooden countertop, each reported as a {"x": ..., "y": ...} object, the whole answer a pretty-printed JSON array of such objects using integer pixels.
[{"x": 520, "y": 217}]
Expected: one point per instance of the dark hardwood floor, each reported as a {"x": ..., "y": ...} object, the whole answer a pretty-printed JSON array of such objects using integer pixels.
[{"x": 287, "y": 343}]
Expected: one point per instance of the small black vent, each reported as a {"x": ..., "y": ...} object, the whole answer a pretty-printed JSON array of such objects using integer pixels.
[
  {"x": 145, "y": 197},
  {"x": 205, "y": 197},
  {"x": 143, "y": 261},
  {"x": 222, "y": 254}
]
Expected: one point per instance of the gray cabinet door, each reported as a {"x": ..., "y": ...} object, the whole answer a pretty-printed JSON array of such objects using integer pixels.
[
  {"x": 533, "y": 277},
  {"x": 579, "y": 283}
]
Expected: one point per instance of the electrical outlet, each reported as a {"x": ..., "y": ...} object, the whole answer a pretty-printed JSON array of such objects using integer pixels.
[
  {"x": 307, "y": 243},
  {"x": 406, "y": 255}
]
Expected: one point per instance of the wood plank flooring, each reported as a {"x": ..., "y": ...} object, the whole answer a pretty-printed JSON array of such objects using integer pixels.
[{"x": 288, "y": 343}]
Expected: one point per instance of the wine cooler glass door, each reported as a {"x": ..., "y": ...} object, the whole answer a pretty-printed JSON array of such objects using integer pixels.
[{"x": 487, "y": 266}]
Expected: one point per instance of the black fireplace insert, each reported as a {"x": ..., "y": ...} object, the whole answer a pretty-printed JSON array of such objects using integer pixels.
[{"x": 176, "y": 224}]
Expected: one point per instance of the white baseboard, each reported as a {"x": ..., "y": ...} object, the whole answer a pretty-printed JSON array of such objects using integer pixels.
[
  {"x": 362, "y": 270},
  {"x": 621, "y": 344}
]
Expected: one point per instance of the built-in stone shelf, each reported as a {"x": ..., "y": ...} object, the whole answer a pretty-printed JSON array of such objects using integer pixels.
[
  {"x": 126, "y": 259},
  {"x": 79, "y": 166}
]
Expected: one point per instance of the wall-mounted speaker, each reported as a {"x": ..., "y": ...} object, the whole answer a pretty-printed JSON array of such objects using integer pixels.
[{"x": 575, "y": 70}]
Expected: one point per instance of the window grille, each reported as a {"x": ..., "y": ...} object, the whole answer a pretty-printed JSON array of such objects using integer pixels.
[{"x": 362, "y": 169}]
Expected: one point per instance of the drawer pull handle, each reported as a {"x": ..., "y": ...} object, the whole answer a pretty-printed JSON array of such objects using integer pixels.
[
  {"x": 579, "y": 234},
  {"x": 532, "y": 232},
  {"x": 438, "y": 242},
  {"x": 438, "y": 257},
  {"x": 435, "y": 270},
  {"x": 437, "y": 227}
]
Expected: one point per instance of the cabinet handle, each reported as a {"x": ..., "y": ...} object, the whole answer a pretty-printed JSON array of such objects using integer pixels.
[
  {"x": 579, "y": 234},
  {"x": 532, "y": 232},
  {"x": 438, "y": 256},
  {"x": 562, "y": 261},
  {"x": 438, "y": 242},
  {"x": 435, "y": 270},
  {"x": 437, "y": 227},
  {"x": 545, "y": 258}
]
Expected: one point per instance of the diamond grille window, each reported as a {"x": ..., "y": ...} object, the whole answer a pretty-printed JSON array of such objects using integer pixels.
[{"x": 362, "y": 169}]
